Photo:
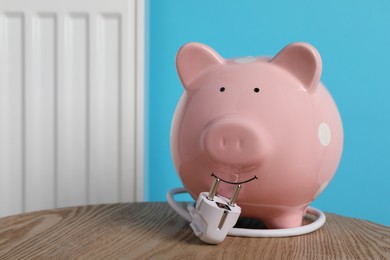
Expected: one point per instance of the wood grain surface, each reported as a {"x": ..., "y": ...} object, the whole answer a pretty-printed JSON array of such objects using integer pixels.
[{"x": 154, "y": 231}]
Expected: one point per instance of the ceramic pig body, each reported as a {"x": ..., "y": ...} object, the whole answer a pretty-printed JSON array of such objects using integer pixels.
[{"x": 254, "y": 116}]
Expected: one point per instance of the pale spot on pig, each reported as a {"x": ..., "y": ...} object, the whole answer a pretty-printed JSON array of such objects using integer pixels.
[
  {"x": 324, "y": 134},
  {"x": 245, "y": 59},
  {"x": 321, "y": 189}
]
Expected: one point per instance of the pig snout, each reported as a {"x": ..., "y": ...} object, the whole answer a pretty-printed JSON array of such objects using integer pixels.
[{"x": 234, "y": 142}]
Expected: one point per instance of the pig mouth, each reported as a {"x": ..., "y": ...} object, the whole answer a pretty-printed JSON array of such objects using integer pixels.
[{"x": 234, "y": 183}]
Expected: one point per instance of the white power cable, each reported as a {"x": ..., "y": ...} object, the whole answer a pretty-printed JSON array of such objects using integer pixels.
[
  {"x": 243, "y": 232},
  {"x": 176, "y": 206}
]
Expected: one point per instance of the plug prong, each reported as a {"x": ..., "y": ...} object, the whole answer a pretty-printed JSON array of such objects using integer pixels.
[
  {"x": 235, "y": 195},
  {"x": 213, "y": 189}
]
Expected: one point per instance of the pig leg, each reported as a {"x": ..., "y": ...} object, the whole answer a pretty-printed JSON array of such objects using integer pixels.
[{"x": 289, "y": 220}]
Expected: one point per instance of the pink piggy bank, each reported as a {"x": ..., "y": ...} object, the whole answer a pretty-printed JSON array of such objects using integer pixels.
[{"x": 267, "y": 120}]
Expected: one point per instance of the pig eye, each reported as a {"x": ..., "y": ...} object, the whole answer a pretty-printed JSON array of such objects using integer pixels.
[
  {"x": 222, "y": 89},
  {"x": 256, "y": 90}
]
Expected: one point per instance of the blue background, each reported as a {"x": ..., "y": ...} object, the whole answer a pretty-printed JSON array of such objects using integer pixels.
[{"x": 353, "y": 38}]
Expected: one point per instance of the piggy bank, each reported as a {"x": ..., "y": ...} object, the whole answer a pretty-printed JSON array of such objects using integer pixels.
[{"x": 267, "y": 123}]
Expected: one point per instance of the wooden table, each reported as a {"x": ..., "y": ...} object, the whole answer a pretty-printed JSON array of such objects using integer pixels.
[{"x": 154, "y": 231}]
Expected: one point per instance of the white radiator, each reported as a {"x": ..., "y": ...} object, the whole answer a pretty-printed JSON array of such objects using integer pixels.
[{"x": 71, "y": 103}]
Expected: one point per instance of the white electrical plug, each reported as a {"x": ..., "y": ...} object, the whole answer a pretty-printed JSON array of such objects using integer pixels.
[{"x": 214, "y": 215}]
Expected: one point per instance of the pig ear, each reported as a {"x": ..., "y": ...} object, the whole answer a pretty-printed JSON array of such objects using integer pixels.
[
  {"x": 303, "y": 61},
  {"x": 192, "y": 59}
]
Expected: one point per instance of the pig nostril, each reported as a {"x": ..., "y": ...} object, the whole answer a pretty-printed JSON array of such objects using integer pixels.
[
  {"x": 240, "y": 143},
  {"x": 223, "y": 142}
]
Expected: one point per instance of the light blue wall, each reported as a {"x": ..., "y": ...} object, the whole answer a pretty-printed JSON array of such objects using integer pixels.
[{"x": 353, "y": 38}]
